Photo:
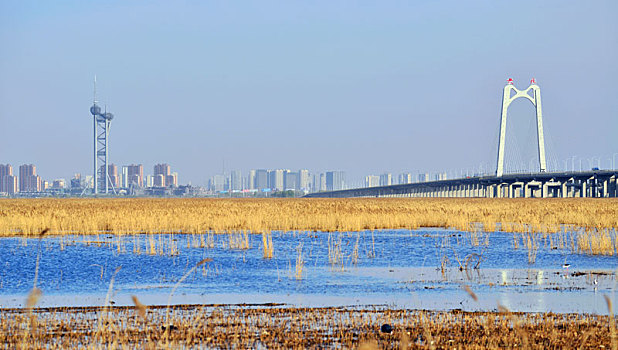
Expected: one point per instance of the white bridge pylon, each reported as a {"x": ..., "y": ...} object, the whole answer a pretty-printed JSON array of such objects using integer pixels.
[{"x": 532, "y": 93}]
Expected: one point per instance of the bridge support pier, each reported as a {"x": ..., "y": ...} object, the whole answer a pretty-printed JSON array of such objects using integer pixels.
[
  {"x": 516, "y": 189},
  {"x": 533, "y": 189},
  {"x": 612, "y": 187},
  {"x": 605, "y": 189}
]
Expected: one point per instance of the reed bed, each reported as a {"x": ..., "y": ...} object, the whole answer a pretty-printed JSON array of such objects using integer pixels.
[
  {"x": 174, "y": 215},
  {"x": 276, "y": 326}
]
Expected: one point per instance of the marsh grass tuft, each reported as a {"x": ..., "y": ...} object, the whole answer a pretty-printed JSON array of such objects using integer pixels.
[
  {"x": 612, "y": 324},
  {"x": 267, "y": 245},
  {"x": 141, "y": 308},
  {"x": 299, "y": 262}
]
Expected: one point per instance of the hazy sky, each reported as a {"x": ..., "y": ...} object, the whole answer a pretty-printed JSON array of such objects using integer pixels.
[{"x": 366, "y": 86}]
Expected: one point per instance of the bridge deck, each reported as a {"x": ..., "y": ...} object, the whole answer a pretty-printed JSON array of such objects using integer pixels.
[{"x": 593, "y": 183}]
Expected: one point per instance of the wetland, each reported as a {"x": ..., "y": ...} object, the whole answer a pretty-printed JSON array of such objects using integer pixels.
[{"x": 465, "y": 273}]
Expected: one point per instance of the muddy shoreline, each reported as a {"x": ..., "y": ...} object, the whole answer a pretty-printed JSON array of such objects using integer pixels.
[{"x": 281, "y": 326}]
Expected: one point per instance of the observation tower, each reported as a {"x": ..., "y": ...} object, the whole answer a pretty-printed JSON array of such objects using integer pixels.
[{"x": 101, "y": 124}]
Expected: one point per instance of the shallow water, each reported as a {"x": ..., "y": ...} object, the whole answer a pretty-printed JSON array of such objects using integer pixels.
[{"x": 423, "y": 268}]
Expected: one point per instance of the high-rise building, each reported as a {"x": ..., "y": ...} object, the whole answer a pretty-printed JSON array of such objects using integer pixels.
[
  {"x": 335, "y": 180},
  {"x": 124, "y": 177},
  {"x": 276, "y": 179},
  {"x": 5, "y": 170},
  {"x": 150, "y": 181},
  {"x": 386, "y": 179},
  {"x": 159, "y": 180},
  {"x": 29, "y": 181},
  {"x": 304, "y": 181},
  {"x": 439, "y": 176},
  {"x": 112, "y": 172},
  {"x": 315, "y": 178},
  {"x": 405, "y": 178},
  {"x": 251, "y": 179},
  {"x": 423, "y": 177},
  {"x": 165, "y": 171},
  {"x": 162, "y": 169},
  {"x": 236, "y": 180},
  {"x": 136, "y": 175},
  {"x": 322, "y": 186},
  {"x": 290, "y": 180},
  {"x": 171, "y": 180},
  {"x": 372, "y": 181},
  {"x": 217, "y": 183},
  {"x": 25, "y": 171},
  {"x": 261, "y": 179},
  {"x": 8, "y": 183}
]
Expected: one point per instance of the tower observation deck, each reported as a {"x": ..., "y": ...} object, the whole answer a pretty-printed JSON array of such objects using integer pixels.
[{"x": 101, "y": 125}]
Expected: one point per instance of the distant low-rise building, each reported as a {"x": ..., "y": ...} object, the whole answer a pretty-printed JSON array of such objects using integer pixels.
[
  {"x": 77, "y": 181},
  {"x": 58, "y": 184}
]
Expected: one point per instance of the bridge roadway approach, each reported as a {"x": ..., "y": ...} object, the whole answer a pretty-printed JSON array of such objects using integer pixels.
[{"x": 594, "y": 184}]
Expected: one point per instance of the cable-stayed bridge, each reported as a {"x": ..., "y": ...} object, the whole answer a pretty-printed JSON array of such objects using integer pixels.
[{"x": 542, "y": 184}]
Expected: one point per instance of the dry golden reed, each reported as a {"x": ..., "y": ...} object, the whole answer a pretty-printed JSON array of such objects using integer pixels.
[
  {"x": 267, "y": 245},
  {"x": 197, "y": 216},
  {"x": 261, "y": 326}
]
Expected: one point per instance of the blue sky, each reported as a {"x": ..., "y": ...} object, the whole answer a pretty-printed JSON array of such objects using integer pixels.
[{"x": 363, "y": 86}]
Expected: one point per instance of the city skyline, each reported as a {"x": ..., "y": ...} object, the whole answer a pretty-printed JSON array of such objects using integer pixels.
[
  {"x": 366, "y": 89},
  {"x": 133, "y": 174},
  {"x": 131, "y": 177},
  {"x": 131, "y": 180}
]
